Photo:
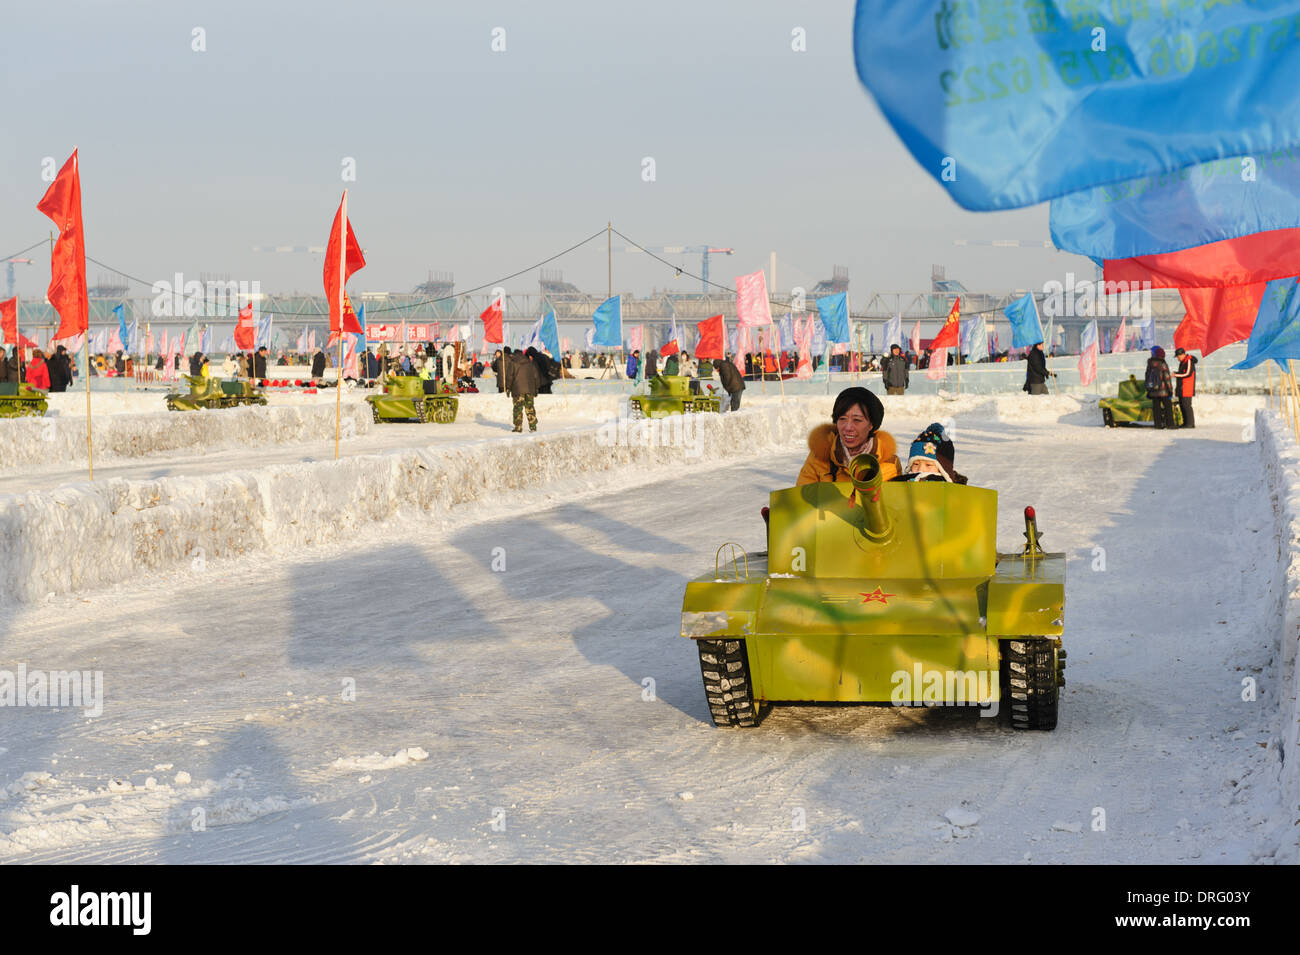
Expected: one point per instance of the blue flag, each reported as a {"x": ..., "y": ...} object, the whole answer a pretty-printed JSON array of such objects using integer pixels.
[
  {"x": 818, "y": 345},
  {"x": 786, "y": 329},
  {"x": 1002, "y": 102},
  {"x": 1276, "y": 334},
  {"x": 893, "y": 333},
  {"x": 550, "y": 334},
  {"x": 834, "y": 311},
  {"x": 1146, "y": 337},
  {"x": 1026, "y": 329},
  {"x": 1169, "y": 212},
  {"x": 608, "y": 323},
  {"x": 973, "y": 338},
  {"x": 361, "y": 318},
  {"x": 123, "y": 332}
]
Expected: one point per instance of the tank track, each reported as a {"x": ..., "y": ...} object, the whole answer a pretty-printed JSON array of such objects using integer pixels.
[
  {"x": 421, "y": 414},
  {"x": 634, "y": 410},
  {"x": 1033, "y": 671},
  {"x": 1107, "y": 418},
  {"x": 374, "y": 412},
  {"x": 724, "y": 664}
]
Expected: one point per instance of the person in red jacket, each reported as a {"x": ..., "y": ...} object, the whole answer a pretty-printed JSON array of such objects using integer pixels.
[
  {"x": 38, "y": 376},
  {"x": 1185, "y": 385}
]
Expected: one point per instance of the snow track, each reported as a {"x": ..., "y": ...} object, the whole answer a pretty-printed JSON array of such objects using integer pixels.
[{"x": 513, "y": 639}]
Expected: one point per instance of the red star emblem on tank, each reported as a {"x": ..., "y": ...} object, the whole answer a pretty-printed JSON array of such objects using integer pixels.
[{"x": 876, "y": 594}]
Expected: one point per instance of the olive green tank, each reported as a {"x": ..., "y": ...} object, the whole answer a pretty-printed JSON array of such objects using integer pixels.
[
  {"x": 881, "y": 593},
  {"x": 672, "y": 394},
  {"x": 214, "y": 393},
  {"x": 19, "y": 399},
  {"x": 410, "y": 398},
  {"x": 1132, "y": 405}
]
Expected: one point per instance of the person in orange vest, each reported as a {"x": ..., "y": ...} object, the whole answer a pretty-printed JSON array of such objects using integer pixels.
[{"x": 1185, "y": 385}]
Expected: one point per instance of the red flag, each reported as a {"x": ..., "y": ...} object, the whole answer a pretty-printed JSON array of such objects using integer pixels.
[
  {"x": 67, "y": 291},
  {"x": 339, "y": 266},
  {"x": 9, "y": 320},
  {"x": 245, "y": 332},
  {"x": 947, "y": 337},
  {"x": 492, "y": 323},
  {"x": 1259, "y": 257},
  {"x": 713, "y": 336},
  {"x": 1218, "y": 316}
]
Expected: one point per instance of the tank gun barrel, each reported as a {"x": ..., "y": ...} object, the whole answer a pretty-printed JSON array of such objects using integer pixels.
[{"x": 864, "y": 472}]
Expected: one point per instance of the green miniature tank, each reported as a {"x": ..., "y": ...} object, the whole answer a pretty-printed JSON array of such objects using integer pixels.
[
  {"x": 881, "y": 593},
  {"x": 19, "y": 399},
  {"x": 671, "y": 394},
  {"x": 410, "y": 398},
  {"x": 1131, "y": 405},
  {"x": 214, "y": 393}
]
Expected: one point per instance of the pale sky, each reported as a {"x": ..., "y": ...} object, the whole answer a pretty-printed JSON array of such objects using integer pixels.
[{"x": 473, "y": 161}]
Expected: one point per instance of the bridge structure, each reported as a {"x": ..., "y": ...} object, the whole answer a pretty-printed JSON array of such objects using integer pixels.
[{"x": 435, "y": 302}]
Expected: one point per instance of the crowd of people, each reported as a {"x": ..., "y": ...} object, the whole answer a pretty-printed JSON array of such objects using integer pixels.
[{"x": 53, "y": 373}]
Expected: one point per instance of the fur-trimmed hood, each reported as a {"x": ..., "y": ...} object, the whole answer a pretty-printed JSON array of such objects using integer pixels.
[{"x": 823, "y": 440}]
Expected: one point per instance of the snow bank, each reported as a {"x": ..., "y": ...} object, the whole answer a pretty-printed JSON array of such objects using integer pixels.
[
  {"x": 89, "y": 535},
  {"x": 40, "y": 442},
  {"x": 1282, "y": 470},
  {"x": 290, "y": 419}
]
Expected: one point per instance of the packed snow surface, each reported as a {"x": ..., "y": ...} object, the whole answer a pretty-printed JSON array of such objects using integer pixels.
[{"x": 488, "y": 667}]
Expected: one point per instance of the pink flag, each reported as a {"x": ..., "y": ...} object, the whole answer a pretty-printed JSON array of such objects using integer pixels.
[
  {"x": 938, "y": 364},
  {"x": 162, "y": 348},
  {"x": 916, "y": 339},
  {"x": 115, "y": 343},
  {"x": 803, "y": 339},
  {"x": 453, "y": 333},
  {"x": 751, "y": 299},
  {"x": 148, "y": 343},
  {"x": 311, "y": 340},
  {"x": 634, "y": 339},
  {"x": 1120, "y": 343},
  {"x": 745, "y": 342},
  {"x": 350, "y": 369},
  {"x": 1088, "y": 354}
]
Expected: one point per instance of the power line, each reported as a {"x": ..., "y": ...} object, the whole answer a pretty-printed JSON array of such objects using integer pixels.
[
  {"x": 391, "y": 308},
  {"x": 28, "y": 249},
  {"x": 507, "y": 278}
]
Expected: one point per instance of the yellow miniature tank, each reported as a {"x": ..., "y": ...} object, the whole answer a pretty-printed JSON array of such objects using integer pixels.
[
  {"x": 673, "y": 394},
  {"x": 884, "y": 593}
]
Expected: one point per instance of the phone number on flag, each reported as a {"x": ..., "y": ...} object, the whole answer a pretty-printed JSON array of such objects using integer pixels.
[{"x": 998, "y": 80}]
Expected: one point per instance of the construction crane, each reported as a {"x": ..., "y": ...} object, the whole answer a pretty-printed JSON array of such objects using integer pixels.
[
  {"x": 1008, "y": 243},
  {"x": 704, "y": 251},
  {"x": 10, "y": 263}
]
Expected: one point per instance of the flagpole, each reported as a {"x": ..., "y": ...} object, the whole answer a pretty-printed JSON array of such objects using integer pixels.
[
  {"x": 90, "y": 448},
  {"x": 1295, "y": 395},
  {"x": 338, "y": 378}
]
